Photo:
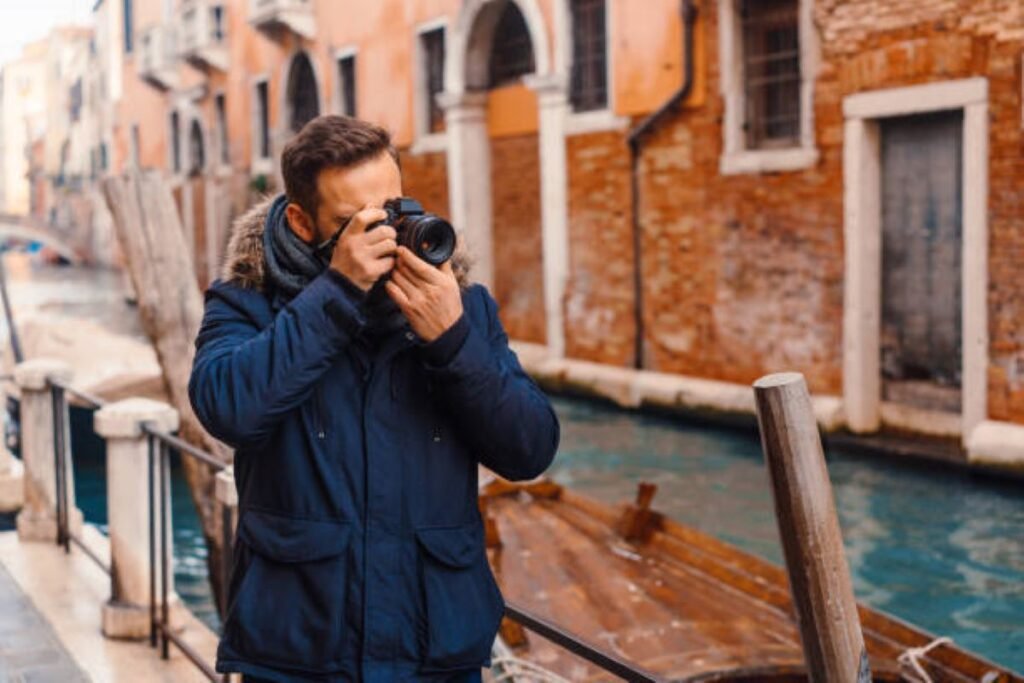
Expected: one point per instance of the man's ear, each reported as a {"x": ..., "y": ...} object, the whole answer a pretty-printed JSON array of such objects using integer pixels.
[{"x": 300, "y": 222}]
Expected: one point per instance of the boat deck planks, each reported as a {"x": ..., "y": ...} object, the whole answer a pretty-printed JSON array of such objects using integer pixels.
[{"x": 678, "y": 603}]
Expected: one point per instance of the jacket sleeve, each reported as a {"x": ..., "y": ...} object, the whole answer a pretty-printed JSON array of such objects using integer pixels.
[
  {"x": 244, "y": 379},
  {"x": 497, "y": 408}
]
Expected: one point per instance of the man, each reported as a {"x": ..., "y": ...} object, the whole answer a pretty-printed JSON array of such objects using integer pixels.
[{"x": 360, "y": 388}]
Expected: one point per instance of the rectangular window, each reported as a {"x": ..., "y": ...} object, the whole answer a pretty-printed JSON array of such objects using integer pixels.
[
  {"x": 175, "y": 143},
  {"x": 129, "y": 24},
  {"x": 771, "y": 72},
  {"x": 217, "y": 12},
  {"x": 433, "y": 57},
  {"x": 263, "y": 120},
  {"x": 347, "y": 84},
  {"x": 222, "y": 128},
  {"x": 589, "y": 89}
]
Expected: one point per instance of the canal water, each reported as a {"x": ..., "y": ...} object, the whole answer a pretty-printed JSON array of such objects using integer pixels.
[{"x": 937, "y": 547}]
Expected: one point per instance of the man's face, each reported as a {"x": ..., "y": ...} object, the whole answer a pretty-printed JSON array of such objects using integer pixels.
[{"x": 344, "y": 191}]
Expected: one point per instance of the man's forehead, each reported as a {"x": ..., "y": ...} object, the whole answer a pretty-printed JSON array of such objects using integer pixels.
[{"x": 344, "y": 191}]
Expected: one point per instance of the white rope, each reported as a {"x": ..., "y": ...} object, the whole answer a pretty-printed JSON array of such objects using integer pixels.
[
  {"x": 911, "y": 659},
  {"x": 507, "y": 667}
]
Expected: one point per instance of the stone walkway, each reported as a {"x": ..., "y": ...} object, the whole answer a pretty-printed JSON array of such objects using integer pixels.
[{"x": 29, "y": 649}]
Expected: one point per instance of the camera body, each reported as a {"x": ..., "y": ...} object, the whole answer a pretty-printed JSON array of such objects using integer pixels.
[{"x": 430, "y": 237}]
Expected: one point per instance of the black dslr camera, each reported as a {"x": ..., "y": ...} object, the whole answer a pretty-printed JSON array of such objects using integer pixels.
[{"x": 430, "y": 237}]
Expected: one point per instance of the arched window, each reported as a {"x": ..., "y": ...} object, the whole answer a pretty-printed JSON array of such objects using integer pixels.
[
  {"x": 196, "y": 152},
  {"x": 303, "y": 98},
  {"x": 511, "y": 50}
]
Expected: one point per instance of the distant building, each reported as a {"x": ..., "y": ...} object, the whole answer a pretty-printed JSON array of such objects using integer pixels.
[
  {"x": 22, "y": 120},
  {"x": 839, "y": 192}
]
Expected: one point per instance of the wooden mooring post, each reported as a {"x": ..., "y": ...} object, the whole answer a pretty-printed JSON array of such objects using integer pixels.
[{"x": 809, "y": 527}]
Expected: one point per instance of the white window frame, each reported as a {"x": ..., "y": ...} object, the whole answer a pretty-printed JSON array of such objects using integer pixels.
[
  {"x": 736, "y": 156},
  {"x": 595, "y": 120},
  {"x": 425, "y": 141},
  {"x": 260, "y": 164},
  {"x": 339, "y": 91}
]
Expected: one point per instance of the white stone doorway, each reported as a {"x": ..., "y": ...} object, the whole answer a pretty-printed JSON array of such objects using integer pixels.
[
  {"x": 865, "y": 114},
  {"x": 471, "y": 195}
]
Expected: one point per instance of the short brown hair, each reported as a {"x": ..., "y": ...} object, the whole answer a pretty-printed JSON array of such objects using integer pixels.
[{"x": 328, "y": 141}]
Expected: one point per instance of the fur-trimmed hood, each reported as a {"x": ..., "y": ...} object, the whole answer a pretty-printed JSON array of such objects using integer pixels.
[{"x": 245, "y": 266}]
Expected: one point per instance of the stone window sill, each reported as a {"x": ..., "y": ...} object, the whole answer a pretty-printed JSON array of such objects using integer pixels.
[
  {"x": 768, "y": 160},
  {"x": 597, "y": 121},
  {"x": 430, "y": 143},
  {"x": 262, "y": 166}
]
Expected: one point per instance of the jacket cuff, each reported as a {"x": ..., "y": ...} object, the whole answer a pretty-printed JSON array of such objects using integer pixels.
[
  {"x": 337, "y": 300},
  {"x": 439, "y": 352}
]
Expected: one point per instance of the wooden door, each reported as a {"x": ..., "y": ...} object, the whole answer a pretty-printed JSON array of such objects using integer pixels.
[{"x": 921, "y": 260}]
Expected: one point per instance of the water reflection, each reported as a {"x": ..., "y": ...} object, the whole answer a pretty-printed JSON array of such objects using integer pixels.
[{"x": 940, "y": 549}]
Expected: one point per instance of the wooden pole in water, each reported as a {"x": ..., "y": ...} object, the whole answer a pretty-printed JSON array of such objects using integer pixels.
[{"x": 811, "y": 539}]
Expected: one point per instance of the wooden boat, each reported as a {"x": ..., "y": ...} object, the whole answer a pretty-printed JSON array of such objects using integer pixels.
[{"x": 672, "y": 601}]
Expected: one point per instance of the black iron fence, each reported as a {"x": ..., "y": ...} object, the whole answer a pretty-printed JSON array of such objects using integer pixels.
[{"x": 159, "y": 445}]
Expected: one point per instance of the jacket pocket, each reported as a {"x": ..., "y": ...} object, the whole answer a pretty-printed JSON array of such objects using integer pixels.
[
  {"x": 462, "y": 601},
  {"x": 290, "y": 607}
]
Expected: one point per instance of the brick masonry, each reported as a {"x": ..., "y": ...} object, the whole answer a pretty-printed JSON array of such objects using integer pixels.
[
  {"x": 743, "y": 275},
  {"x": 599, "y": 297},
  {"x": 425, "y": 177},
  {"x": 518, "y": 268}
]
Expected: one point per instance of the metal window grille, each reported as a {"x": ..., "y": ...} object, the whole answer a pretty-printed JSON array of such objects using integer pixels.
[
  {"x": 347, "y": 77},
  {"x": 512, "y": 51},
  {"x": 264, "y": 119},
  {"x": 197, "y": 151},
  {"x": 175, "y": 142},
  {"x": 589, "y": 65},
  {"x": 771, "y": 69},
  {"x": 303, "y": 97},
  {"x": 222, "y": 128},
  {"x": 433, "y": 53},
  {"x": 129, "y": 26}
]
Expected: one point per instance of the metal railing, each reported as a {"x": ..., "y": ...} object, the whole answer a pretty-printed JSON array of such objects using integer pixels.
[{"x": 159, "y": 445}]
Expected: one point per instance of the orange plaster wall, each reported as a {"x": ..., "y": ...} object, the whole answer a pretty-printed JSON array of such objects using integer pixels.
[
  {"x": 647, "y": 54},
  {"x": 512, "y": 110}
]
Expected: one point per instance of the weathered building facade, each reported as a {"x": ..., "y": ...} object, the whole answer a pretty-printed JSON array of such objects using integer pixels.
[{"x": 836, "y": 187}]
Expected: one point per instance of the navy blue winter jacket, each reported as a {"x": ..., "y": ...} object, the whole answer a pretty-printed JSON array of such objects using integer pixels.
[{"x": 360, "y": 551}]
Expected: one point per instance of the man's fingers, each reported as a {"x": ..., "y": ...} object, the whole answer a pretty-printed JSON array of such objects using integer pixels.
[
  {"x": 418, "y": 268},
  {"x": 403, "y": 282},
  {"x": 396, "y": 293},
  {"x": 363, "y": 218},
  {"x": 384, "y": 247},
  {"x": 384, "y": 232}
]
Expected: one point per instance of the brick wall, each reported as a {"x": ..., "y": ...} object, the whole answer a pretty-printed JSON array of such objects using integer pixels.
[
  {"x": 743, "y": 275},
  {"x": 425, "y": 177},
  {"x": 518, "y": 274},
  {"x": 599, "y": 297}
]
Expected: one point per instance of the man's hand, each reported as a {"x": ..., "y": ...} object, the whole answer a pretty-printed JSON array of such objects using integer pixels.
[
  {"x": 428, "y": 296},
  {"x": 361, "y": 256}
]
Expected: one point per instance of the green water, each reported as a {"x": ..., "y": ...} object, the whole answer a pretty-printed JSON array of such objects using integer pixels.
[{"x": 933, "y": 546}]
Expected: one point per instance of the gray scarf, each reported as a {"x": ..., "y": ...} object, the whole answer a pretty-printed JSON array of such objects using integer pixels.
[{"x": 292, "y": 264}]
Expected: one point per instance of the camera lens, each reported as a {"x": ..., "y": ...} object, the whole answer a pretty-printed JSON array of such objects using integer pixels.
[{"x": 431, "y": 238}]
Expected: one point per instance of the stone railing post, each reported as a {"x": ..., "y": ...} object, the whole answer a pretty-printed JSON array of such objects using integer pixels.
[
  {"x": 127, "y": 614},
  {"x": 227, "y": 503},
  {"x": 37, "y": 520}
]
